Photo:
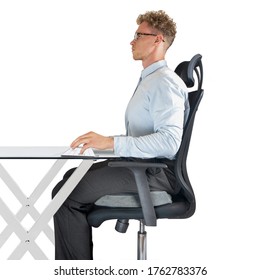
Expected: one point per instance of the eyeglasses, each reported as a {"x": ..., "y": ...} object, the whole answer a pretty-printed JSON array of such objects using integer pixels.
[{"x": 139, "y": 34}]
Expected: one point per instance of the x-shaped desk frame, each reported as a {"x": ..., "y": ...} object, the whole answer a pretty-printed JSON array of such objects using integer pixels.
[{"x": 27, "y": 237}]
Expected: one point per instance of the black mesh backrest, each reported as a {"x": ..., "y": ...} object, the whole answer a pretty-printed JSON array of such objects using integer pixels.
[{"x": 186, "y": 71}]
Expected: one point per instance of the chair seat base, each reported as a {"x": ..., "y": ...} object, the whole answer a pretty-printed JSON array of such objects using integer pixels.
[{"x": 175, "y": 210}]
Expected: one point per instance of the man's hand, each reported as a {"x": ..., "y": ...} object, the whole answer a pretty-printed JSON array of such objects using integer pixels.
[{"x": 93, "y": 140}]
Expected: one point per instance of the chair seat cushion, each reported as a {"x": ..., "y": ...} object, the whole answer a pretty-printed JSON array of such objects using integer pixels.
[{"x": 132, "y": 200}]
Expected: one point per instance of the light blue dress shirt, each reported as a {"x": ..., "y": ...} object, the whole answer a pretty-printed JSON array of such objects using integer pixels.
[{"x": 155, "y": 115}]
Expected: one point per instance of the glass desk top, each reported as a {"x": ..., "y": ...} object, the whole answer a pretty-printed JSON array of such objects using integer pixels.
[{"x": 48, "y": 152}]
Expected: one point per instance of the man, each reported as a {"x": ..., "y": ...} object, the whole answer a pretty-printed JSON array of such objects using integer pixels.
[{"x": 154, "y": 122}]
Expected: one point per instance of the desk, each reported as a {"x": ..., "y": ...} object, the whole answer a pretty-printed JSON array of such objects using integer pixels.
[{"x": 27, "y": 236}]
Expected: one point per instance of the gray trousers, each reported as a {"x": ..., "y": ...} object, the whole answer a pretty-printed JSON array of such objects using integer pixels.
[{"x": 73, "y": 235}]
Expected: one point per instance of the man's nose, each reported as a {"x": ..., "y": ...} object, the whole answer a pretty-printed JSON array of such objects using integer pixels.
[{"x": 132, "y": 42}]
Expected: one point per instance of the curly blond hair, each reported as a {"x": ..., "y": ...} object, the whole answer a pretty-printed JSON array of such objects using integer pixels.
[{"x": 161, "y": 22}]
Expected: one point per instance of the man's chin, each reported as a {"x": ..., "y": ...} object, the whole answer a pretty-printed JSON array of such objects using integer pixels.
[{"x": 136, "y": 57}]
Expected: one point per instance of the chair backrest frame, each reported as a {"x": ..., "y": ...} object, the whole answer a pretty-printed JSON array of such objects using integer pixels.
[{"x": 186, "y": 71}]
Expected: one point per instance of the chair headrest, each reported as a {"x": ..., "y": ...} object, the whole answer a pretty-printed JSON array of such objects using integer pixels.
[{"x": 186, "y": 70}]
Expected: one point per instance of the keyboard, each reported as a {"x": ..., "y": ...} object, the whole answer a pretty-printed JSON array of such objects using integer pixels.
[{"x": 76, "y": 152}]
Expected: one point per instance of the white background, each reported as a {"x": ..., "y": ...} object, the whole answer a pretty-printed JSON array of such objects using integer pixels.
[{"x": 66, "y": 68}]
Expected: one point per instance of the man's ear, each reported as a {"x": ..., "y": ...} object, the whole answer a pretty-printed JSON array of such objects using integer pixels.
[{"x": 159, "y": 39}]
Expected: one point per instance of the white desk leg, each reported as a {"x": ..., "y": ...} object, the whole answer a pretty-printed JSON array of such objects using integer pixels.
[
  {"x": 28, "y": 202},
  {"x": 16, "y": 227},
  {"x": 49, "y": 211}
]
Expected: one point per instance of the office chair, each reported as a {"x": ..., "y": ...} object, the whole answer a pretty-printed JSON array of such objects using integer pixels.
[{"x": 148, "y": 206}]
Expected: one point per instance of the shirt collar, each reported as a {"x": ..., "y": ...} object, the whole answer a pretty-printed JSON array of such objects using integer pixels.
[{"x": 152, "y": 68}]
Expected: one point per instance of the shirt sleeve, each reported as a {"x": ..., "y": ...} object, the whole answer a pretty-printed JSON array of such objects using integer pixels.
[{"x": 167, "y": 106}]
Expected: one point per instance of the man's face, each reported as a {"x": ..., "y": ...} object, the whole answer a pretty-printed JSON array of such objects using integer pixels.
[{"x": 143, "y": 45}]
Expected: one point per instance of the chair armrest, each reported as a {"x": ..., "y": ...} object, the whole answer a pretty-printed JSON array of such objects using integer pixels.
[
  {"x": 138, "y": 169},
  {"x": 136, "y": 164}
]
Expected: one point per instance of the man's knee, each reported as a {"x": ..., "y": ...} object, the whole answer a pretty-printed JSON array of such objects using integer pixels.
[
  {"x": 57, "y": 188},
  {"x": 62, "y": 182}
]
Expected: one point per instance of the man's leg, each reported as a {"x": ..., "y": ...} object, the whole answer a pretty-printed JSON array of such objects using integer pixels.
[{"x": 73, "y": 235}]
